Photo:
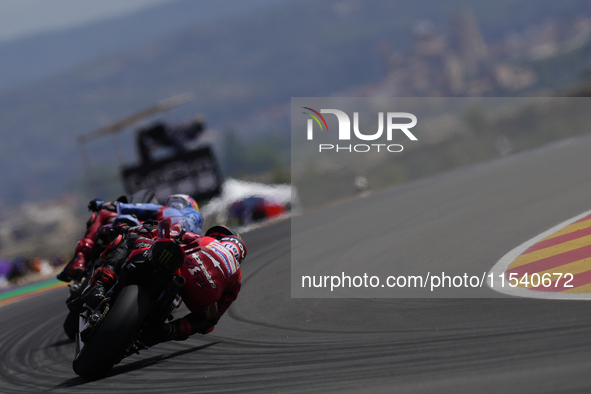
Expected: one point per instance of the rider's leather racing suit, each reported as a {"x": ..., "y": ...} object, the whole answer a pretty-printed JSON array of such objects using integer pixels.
[{"x": 212, "y": 278}]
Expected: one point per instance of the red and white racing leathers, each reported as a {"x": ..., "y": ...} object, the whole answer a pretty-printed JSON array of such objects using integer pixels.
[{"x": 212, "y": 275}]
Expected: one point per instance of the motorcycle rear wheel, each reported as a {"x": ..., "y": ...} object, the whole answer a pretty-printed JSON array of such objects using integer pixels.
[{"x": 115, "y": 333}]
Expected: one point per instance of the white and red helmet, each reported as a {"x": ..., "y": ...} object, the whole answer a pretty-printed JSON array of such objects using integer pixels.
[
  {"x": 236, "y": 246},
  {"x": 230, "y": 239}
]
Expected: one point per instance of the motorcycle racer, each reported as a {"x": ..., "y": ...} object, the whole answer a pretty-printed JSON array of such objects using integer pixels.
[
  {"x": 107, "y": 212},
  {"x": 211, "y": 270},
  {"x": 175, "y": 205},
  {"x": 103, "y": 213}
]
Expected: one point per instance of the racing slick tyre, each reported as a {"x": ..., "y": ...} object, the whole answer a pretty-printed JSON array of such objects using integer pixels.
[
  {"x": 109, "y": 342},
  {"x": 71, "y": 323}
]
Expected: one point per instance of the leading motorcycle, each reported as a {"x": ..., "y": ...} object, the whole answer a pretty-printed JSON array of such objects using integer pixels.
[
  {"x": 103, "y": 238},
  {"x": 144, "y": 295}
]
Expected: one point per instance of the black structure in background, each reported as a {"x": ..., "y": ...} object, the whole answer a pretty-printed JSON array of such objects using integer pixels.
[{"x": 194, "y": 172}]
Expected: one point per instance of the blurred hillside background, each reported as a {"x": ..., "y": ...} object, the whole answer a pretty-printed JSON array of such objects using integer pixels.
[{"x": 244, "y": 61}]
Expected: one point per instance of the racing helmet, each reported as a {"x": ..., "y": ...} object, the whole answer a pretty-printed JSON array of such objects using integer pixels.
[
  {"x": 181, "y": 201},
  {"x": 220, "y": 231},
  {"x": 236, "y": 246}
]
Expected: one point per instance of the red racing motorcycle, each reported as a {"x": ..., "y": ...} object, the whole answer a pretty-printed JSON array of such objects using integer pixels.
[{"x": 144, "y": 295}]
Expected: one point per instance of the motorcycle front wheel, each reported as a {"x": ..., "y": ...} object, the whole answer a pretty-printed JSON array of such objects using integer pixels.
[{"x": 108, "y": 344}]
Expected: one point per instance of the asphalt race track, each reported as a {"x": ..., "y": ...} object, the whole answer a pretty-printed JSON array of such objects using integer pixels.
[{"x": 269, "y": 342}]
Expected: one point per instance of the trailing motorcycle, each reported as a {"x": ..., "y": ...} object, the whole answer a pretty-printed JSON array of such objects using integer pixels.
[{"x": 143, "y": 296}]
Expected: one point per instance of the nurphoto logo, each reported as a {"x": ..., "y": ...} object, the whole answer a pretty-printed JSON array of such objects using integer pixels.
[{"x": 345, "y": 130}]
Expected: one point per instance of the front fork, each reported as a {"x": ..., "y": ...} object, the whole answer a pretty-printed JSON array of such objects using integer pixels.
[{"x": 89, "y": 321}]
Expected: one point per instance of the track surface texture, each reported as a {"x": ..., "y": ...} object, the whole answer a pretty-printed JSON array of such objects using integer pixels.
[{"x": 270, "y": 342}]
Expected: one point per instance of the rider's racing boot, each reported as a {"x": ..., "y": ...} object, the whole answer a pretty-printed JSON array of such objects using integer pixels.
[
  {"x": 78, "y": 263},
  {"x": 103, "y": 279}
]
